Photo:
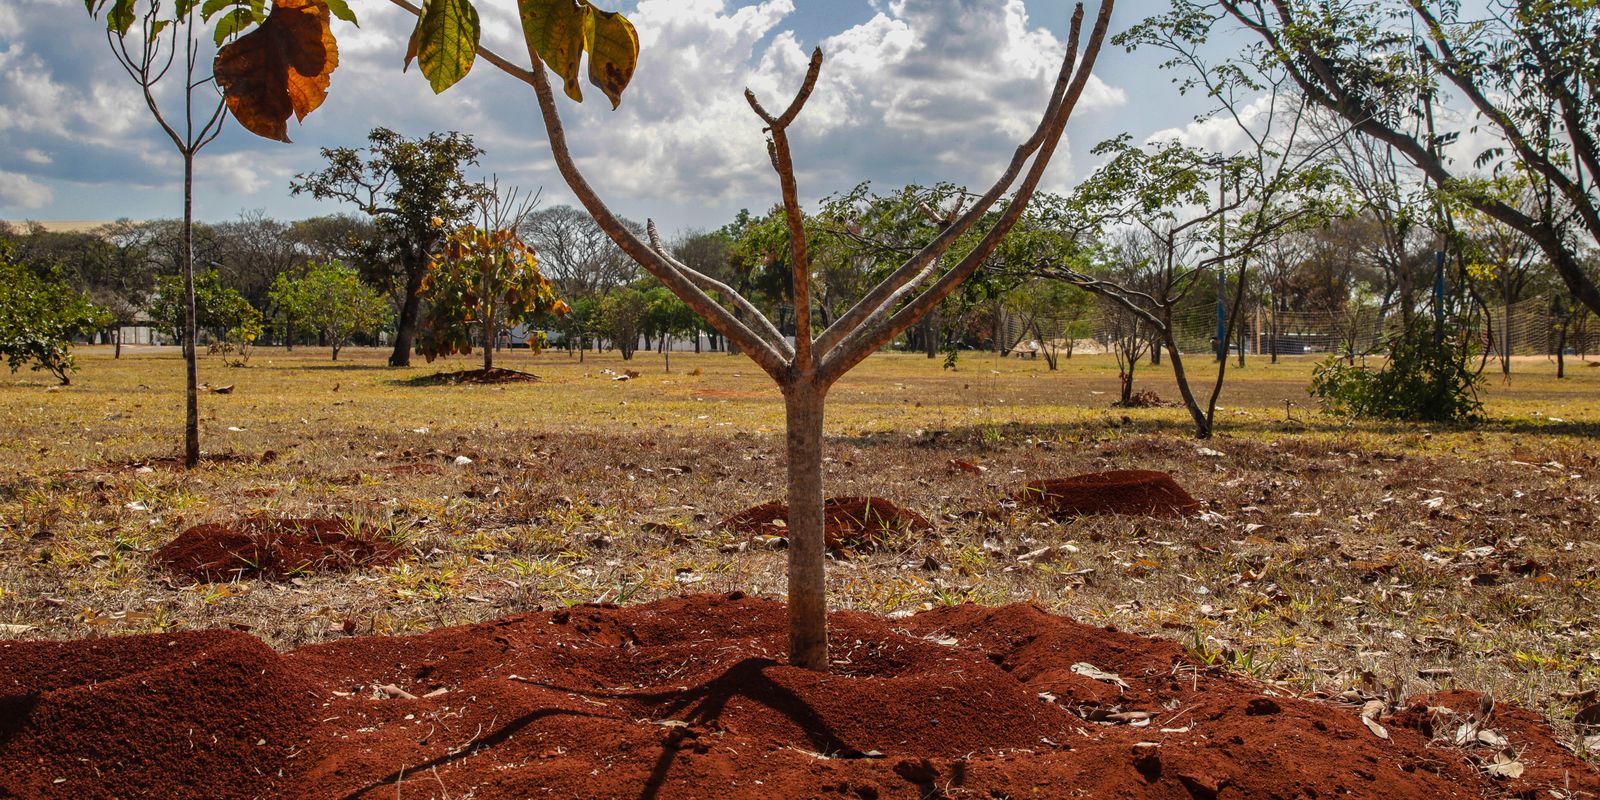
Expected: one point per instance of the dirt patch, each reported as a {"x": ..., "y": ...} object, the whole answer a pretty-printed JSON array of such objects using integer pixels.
[
  {"x": 851, "y": 521},
  {"x": 270, "y": 549},
  {"x": 1125, "y": 491},
  {"x": 688, "y": 698},
  {"x": 474, "y": 377}
]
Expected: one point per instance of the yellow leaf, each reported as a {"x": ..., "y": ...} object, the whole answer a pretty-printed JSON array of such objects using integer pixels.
[
  {"x": 559, "y": 31},
  {"x": 613, "y": 53}
]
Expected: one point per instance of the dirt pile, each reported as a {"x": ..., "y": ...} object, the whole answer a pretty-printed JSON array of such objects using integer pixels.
[
  {"x": 475, "y": 377},
  {"x": 271, "y": 549},
  {"x": 201, "y": 714},
  {"x": 850, "y": 521},
  {"x": 688, "y": 698},
  {"x": 1124, "y": 491}
]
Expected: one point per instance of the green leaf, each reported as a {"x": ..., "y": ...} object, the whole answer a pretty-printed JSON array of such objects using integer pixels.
[
  {"x": 211, "y": 7},
  {"x": 184, "y": 7},
  {"x": 341, "y": 10},
  {"x": 445, "y": 41},
  {"x": 559, "y": 31},
  {"x": 121, "y": 17},
  {"x": 258, "y": 10},
  {"x": 613, "y": 53},
  {"x": 235, "y": 21}
]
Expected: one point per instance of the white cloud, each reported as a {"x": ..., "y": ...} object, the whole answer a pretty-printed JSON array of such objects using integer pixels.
[
  {"x": 22, "y": 193},
  {"x": 921, "y": 92}
]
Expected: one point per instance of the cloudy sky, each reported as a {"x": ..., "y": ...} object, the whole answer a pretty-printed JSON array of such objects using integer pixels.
[{"x": 912, "y": 91}]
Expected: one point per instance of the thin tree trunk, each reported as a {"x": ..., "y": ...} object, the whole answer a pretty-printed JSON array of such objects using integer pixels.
[
  {"x": 117, "y": 341},
  {"x": 808, "y": 631},
  {"x": 191, "y": 419},
  {"x": 1202, "y": 426},
  {"x": 1561, "y": 352},
  {"x": 490, "y": 340}
]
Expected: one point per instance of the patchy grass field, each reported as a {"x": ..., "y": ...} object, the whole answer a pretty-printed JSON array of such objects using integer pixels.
[{"x": 1378, "y": 557}]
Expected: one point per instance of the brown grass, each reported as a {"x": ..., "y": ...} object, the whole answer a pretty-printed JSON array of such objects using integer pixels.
[{"x": 1328, "y": 556}]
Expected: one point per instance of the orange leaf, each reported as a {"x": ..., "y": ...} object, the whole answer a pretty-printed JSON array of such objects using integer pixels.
[{"x": 280, "y": 68}]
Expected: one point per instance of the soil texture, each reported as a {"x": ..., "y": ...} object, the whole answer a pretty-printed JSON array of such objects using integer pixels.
[
  {"x": 1137, "y": 492},
  {"x": 269, "y": 548},
  {"x": 689, "y": 698},
  {"x": 475, "y": 377},
  {"x": 851, "y": 522}
]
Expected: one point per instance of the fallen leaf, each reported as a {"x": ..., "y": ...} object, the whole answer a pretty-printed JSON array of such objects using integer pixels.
[
  {"x": 15, "y": 630},
  {"x": 1377, "y": 729},
  {"x": 1091, "y": 671}
]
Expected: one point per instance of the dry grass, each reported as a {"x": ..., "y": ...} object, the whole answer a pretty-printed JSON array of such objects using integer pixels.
[{"x": 1331, "y": 556}]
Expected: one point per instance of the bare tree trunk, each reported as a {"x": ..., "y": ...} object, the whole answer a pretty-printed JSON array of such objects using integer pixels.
[
  {"x": 191, "y": 418},
  {"x": 1561, "y": 351},
  {"x": 1202, "y": 426},
  {"x": 1505, "y": 349},
  {"x": 930, "y": 334},
  {"x": 117, "y": 341},
  {"x": 405, "y": 330},
  {"x": 489, "y": 339},
  {"x": 808, "y": 621}
]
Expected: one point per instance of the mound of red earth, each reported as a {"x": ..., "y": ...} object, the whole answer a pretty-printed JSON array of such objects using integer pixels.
[
  {"x": 1140, "y": 492},
  {"x": 689, "y": 698},
  {"x": 493, "y": 375},
  {"x": 270, "y": 548},
  {"x": 850, "y": 521}
]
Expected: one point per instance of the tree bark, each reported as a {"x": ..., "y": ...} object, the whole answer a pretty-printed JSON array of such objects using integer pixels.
[
  {"x": 405, "y": 330},
  {"x": 191, "y": 418},
  {"x": 808, "y": 621}
]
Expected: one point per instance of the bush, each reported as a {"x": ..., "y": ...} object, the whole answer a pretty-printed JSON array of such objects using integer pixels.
[
  {"x": 1426, "y": 378},
  {"x": 40, "y": 317}
]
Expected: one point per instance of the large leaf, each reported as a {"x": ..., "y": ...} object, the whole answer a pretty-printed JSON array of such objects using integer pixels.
[
  {"x": 121, "y": 17},
  {"x": 280, "y": 68},
  {"x": 445, "y": 42},
  {"x": 613, "y": 53},
  {"x": 559, "y": 31}
]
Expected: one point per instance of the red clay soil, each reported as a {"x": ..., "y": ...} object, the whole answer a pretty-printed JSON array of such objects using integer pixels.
[
  {"x": 688, "y": 698},
  {"x": 850, "y": 521},
  {"x": 1138, "y": 492},
  {"x": 271, "y": 549}
]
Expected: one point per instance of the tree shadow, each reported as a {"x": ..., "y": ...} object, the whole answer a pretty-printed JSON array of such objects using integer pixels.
[
  {"x": 703, "y": 704},
  {"x": 505, "y": 732}
]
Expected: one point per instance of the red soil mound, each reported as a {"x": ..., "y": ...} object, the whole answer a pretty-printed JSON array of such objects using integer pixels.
[
  {"x": 688, "y": 698},
  {"x": 203, "y": 714},
  {"x": 850, "y": 521},
  {"x": 270, "y": 548},
  {"x": 1124, "y": 491},
  {"x": 476, "y": 377}
]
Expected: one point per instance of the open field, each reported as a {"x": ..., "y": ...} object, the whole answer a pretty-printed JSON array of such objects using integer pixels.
[{"x": 1330, "y": 557}]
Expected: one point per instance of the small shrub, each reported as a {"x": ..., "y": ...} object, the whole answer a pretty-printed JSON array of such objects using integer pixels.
[{"x": 1426, "y": 378}]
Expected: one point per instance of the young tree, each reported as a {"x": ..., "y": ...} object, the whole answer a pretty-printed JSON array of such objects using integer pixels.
[
  {"x": 485, "y": 276},
  {"x": 557, "y": 34},
  {"x": 149, "y": 59},
  {"x": 620, "y": 314},
  {"x": 403, "y": 185},
  {"x": 40, "y": 317},
  {"x": 219, "y": 312},
  {"x": 331, "y": 299}
]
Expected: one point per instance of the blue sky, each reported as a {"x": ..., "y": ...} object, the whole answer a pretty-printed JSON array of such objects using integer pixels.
[{"x": 912, "y": 91}]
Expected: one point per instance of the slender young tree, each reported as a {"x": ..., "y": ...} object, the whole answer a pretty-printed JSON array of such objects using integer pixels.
[
  {"x": 148, "y": 59},
  {"x": 557, "y": 33}
]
